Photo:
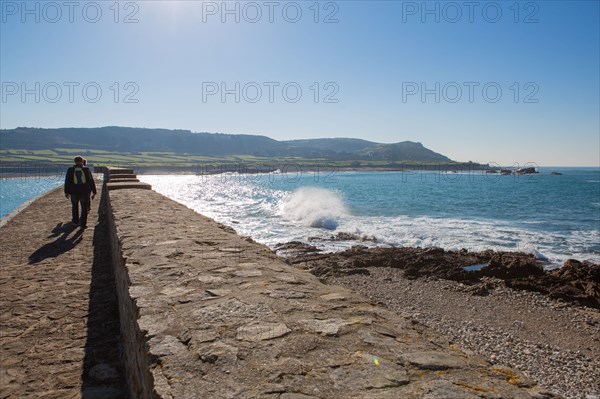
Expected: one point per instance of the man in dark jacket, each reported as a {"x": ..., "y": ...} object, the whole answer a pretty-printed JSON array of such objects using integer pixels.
[{"x": 79, "y": 183}]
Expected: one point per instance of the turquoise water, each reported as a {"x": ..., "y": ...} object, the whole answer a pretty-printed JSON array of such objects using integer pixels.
[
  {"x": 553, "y": 216},
  {"x": 16, "y": 191}
]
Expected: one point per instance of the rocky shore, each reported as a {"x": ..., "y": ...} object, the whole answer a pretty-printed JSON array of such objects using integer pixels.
[
  {"x": 576, "y": 282},
  {"x": 546, "y": 323}
]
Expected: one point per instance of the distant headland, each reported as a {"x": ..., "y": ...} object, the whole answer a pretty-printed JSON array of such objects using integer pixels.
[{"x": 181, "y": 149}]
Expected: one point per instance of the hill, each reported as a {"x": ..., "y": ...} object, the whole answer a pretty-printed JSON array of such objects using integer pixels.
[{"x": 184, "y": 142}]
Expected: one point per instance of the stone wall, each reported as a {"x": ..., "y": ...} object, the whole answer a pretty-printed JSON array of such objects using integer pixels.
[{"x": 134, "y": 341}]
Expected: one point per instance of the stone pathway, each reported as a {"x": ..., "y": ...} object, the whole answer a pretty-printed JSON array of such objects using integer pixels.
[
  {"x": 59, "y": 326},
  {"x": 222, "y": 317}
]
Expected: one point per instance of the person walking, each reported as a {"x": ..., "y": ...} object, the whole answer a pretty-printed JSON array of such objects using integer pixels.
[
  {"x": 79, "y": 183},
  {"x": 89, "y": 199}
]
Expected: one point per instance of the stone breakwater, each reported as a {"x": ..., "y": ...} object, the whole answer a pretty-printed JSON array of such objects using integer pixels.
[
  {"x": 202, "y": 313},
  {"x": 209, "y": 314}
]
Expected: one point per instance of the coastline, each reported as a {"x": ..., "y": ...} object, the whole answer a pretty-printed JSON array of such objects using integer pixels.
[
  {"x": 174, "y": 247},
  {"x": 242, "y": 168},
  {"x": 248, "y": 168}
]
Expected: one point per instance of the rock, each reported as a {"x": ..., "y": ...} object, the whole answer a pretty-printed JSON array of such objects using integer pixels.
[
  {"x": 334, "y": 296},
  {"x": 363, "y": 371},
  {"x": 577, "y": 282},
  {"x": 514, "y": 377},
  {"x": 442, "y": 389},
  {"x": 287, "y": 294},
  {"x": 216, "y": 292},
  {"x": 289, "y": 279},
  {"x": 208, "y": 279},
  {"x": 478, "y": 290},
  {"x": 432, "y": 360},
  {"x": 218, "y": 352},
  {"x": 248, "y": 273},
  {"x": 209, "y": 358},
  {"x": 509, "y": 266},
  {"x": 274, "y": 388},
  {"x": 344, "y": 236},
  {"x": 295, "y": 248},
  {"x": 261, "y": 331},
  {"x": 325, "y": 327},
  {"x": 542, "y": 394},
  {"x": 166, "y": 346},
  {"x": 197, "y": 337},
  {"x": 367, "y": 376},
  {"x": 525, "y": 171},
  {"x": 289, "y": 395}
]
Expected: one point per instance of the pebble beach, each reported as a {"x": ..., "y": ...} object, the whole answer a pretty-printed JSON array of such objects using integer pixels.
[{"x": 553, "y": 342}]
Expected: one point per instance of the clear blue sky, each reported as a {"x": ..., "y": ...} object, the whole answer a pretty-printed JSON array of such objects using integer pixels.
[{"x": 373, "y": 58}]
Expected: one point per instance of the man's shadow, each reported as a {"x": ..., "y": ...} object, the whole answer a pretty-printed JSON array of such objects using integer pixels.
[{"x": 62, "y": 244}]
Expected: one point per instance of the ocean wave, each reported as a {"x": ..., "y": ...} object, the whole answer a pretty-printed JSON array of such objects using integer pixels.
[
  {"x": 456, "y": 234},
  {"x": 315, "y": 207}
]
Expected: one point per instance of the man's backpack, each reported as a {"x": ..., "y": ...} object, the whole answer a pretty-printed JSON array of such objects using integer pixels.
[{"x": 79, "y": 176}]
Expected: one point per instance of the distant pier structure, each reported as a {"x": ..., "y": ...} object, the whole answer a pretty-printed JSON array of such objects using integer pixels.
[{"x": 120, "y": 178}]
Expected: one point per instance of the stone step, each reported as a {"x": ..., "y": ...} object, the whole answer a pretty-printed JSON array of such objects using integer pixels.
[
  {"x": 112, "y": 171},
  {"x": 122, "y": 176},
  {"x": 118, "y": 186},
  {"x": 124, "y": 180}
]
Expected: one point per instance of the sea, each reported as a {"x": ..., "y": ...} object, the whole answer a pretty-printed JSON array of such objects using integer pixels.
[
  {"x": 15, "y": 191},
  {"x": 553, "y": 216}
]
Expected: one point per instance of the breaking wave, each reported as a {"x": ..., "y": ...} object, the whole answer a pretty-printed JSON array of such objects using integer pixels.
[{"x": 315, "y": 207}]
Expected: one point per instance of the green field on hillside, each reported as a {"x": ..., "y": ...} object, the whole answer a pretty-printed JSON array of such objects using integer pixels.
[{"x": 62, "y": 156}]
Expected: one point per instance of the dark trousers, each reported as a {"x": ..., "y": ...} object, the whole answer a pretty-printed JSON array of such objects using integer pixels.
[{"x": 84, "y": 200}]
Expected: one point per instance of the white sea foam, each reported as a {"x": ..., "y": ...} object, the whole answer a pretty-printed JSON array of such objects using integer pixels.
[{"x": 314, "y": 207}]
